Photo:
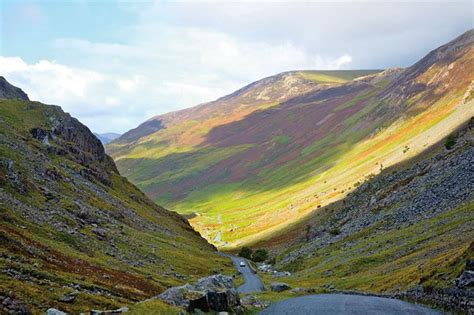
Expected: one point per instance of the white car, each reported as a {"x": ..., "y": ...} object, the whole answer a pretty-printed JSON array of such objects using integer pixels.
[{"x": 242, "y": 264}]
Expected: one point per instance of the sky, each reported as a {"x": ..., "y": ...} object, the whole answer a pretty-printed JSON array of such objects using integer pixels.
[{"x": 114, "y": 64}]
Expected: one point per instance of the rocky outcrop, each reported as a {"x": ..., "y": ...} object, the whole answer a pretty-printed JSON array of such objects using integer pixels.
[
  {"x": 8, "y": 91},
  {"x": 69, "y": 138},
  {"x": 214, "y": 293},
  {"x": 9, "y": 304}
]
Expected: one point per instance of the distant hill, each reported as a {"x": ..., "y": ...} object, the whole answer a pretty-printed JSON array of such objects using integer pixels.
[
  {"x": 253, "y": 162},
  {"x": 107, "y": 137},
  {"x": 74, "y": 234}
]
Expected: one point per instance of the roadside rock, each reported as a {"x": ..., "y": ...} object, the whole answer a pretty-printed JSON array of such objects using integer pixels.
[
  {"x": 53, "y": 311},
  {"x": 279, "y": 286},
  {"x": 252, "y": 300},
  {"x": 180, "y": 296},
  {"x": 214, "y": 293},
  {"x": 215, "y": 301},
  {"x": 215, "y": 282}
]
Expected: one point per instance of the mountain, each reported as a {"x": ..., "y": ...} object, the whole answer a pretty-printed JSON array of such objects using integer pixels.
[
  {"x": 255, "y": 162},
  {"x": 74, "y": 234},
  {"x": 107, "y": 137}
]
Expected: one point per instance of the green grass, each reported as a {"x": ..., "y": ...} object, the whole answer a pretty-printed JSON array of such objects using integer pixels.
[
  {"x": 153, "y": 307},
  {"x": 427, "y": 252},
  {"x": 340, "y": 76},
  {"x": 282, "y": 139}
]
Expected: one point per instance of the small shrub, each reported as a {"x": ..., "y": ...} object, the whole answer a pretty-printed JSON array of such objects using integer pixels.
[
  {"x": 335, "y": 231},
  {"x": 451, "y": 141},
  {"x": 245, "y": 252},
  {"x": 260, "y": 255}
]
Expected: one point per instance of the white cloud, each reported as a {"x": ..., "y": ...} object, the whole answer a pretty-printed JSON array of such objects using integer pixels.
[
  {"x": 84, "y": 93},
  {"x": 178, "y": 68},
  {"x": 174, "y": 55},
  {"x": 50, "y": 81}
]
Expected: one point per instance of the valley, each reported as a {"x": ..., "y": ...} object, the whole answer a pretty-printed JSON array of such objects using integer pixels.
[{"x": 340, "y": 191}]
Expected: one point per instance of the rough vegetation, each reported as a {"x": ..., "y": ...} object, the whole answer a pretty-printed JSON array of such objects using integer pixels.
[
  {"x": 74, "y": 234},
  {"x": 254, "y": 162},
  {"x": 407, "y": 232}
]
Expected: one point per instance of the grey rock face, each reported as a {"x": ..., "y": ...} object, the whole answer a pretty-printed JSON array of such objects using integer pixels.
[
  {"x": 214, "y": 293},
  {"x": 215, "y": 282},
  {"x": 179, "y": 296}
]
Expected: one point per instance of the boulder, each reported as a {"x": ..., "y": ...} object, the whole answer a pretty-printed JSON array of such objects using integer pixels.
[
  {"x": 215, "y": 282},
  {"x": 100, "y": 232},
  {"x": 216, "y": 301},
  {"x": 53, "y": 311},
  {"x": 69, "y": 298},
  {"x": 180, "y": 296},
  {"x": 279, "y": 286},
  {"x": 214, "y": 293}
]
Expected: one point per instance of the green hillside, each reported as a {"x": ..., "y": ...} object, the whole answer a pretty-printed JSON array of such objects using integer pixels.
[
  {"x": 73, "y": 228},
  {"x": 254, "y": 162}
]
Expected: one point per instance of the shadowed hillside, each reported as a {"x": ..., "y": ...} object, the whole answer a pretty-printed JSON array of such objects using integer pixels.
[{"x": 259, "y": 159}]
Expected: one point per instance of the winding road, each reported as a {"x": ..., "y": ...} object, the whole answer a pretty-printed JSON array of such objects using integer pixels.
[
  {"x": 323, "y": 304},
  {"x": 252, "y": 281},
  {"x": 345, "y": 304}
]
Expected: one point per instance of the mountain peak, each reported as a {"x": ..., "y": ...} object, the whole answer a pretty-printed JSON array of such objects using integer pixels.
[{"x": 9, "y": 91}]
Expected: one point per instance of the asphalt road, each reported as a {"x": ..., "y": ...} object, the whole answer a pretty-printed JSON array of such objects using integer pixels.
[
  {"x": 252, "y": 281},
  {"x": 344, "y": 304}
]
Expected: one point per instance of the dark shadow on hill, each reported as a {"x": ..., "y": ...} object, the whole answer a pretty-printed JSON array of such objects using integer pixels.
[{"x": 288, "y": 144}]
